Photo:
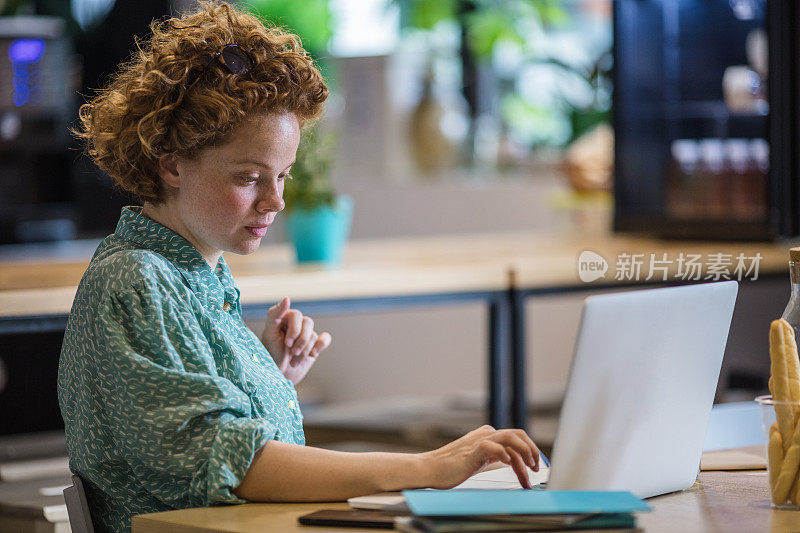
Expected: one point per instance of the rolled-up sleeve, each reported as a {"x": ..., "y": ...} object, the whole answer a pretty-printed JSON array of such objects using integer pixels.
[{"x": 187, "y": 433}]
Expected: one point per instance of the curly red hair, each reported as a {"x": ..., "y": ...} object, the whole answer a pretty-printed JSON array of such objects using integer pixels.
[{"x": 146, "y": 111}]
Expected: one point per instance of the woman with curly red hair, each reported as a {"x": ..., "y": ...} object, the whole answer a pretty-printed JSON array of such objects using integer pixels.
[{"x": 168, "y": 399}]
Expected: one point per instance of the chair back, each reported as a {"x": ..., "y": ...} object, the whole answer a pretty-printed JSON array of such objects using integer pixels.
[{"x": 77, "y": 507}]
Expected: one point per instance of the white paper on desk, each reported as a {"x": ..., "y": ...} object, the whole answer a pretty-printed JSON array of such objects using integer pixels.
[
  {"x": 385, "y": 501},
  {"x": 499, "y": 479}
]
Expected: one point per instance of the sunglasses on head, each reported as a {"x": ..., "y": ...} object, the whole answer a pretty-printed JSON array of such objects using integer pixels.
[{"x": 232, "y": 57}]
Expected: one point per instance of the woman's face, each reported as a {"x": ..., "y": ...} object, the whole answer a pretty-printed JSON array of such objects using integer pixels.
[{"x": 228, "y": 195}]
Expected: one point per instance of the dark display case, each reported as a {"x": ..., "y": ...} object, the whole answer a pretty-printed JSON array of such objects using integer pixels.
[
  {"x": 36, "y": 104},
  {"x": 705, "y": 118},
  {"x": 49, "y": 65}
]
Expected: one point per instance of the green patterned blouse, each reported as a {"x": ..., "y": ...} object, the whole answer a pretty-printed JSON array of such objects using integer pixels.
[{"x": 166, "y": 394}]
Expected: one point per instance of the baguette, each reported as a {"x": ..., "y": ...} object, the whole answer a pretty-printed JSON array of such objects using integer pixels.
[
  {"x": 783, "y": 353},
  {"x": 793, "y": 374},
  {"x": 774, "y": 456},
  {"x": 796, "y": 499},
  {"x": 788, "y": 470}
]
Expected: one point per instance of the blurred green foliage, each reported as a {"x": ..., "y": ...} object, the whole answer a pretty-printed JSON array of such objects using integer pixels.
[
  {"x": 494, "y": 21},
  {"x": 310, "y": 19},
  {"x": 425, "y": 14},
  {"x": 487, "y": 21},
  {"x": 538, "y": 123},
  {"x": 520, "y": 23},
  {"x": 310, "y": 186}
]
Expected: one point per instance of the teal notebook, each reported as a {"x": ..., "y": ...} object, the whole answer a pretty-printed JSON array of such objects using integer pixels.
[
  {"x": 424, "y": 524},
  {"x": 498, "y": 502}
]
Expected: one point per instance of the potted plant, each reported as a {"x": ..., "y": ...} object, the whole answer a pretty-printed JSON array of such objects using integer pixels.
[{"x": 317, "y": 219}]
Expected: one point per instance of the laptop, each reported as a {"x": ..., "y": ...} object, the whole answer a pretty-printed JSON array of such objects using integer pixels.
[
  {"x": 639, "y": 395},
  {"x": 640, "y": 389}
]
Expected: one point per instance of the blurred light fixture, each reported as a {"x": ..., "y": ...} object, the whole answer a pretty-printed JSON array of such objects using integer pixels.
[
  {"x": 745, "y": 9},
  {"x": 364, "y": 27},
  {"x": 23, "y": 52},
  {"x": 90, "y": 12},
  {"x": 10, "y": 126}
]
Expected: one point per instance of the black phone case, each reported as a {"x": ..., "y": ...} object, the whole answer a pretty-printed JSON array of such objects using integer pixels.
[{"x": 351, "y": 518}]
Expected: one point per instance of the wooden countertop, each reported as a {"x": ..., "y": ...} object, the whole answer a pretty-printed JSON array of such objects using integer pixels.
[
  {"x": 398, "y": 266},
  {"x": 719, "y": 501},
  {"x": 370, "y": 269}
]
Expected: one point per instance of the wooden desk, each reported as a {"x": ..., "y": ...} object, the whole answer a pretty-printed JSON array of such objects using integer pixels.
[
  {"x": 501, "y": 270},
  {"x": 371, "y": 269},
  {"x": 36, "y": 296},
  {"x": 525, "y": 261},
  {"x": 719, "y": 501}
]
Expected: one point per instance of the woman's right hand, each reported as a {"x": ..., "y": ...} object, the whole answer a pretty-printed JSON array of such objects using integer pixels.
[{"x": 454, "y": 463}]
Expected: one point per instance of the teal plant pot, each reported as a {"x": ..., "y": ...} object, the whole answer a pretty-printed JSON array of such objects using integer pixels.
[{"x": 319, "y": 235}]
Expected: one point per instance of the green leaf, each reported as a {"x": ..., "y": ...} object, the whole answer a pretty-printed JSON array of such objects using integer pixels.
[
  {"x": 552, "y": 12},
  {"x": 311, "y": 186},
  {"x": 310, "y": 19},
  {"x": 425, "y": 14},
  {"x": 485, "y": 28},
  {"x": 538, "y": 125}
]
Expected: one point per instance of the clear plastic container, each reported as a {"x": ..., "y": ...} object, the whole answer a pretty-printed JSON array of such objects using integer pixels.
[{"x": 783, "y": 468}]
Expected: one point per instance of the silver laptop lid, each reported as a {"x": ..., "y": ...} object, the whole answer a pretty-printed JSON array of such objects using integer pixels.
[{"x": 640, "y": 389}]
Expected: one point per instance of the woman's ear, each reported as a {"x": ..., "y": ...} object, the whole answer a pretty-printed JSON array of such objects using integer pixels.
[{"x": 168, "y": 170}]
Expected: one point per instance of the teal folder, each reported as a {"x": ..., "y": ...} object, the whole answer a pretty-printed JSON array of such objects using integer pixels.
[
  {"x": 427, "y": 524},
  {"x": 500, "y": 502}
]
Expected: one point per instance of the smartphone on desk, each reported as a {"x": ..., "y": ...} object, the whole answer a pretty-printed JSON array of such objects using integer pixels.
[{"x": 352, "y": 518}]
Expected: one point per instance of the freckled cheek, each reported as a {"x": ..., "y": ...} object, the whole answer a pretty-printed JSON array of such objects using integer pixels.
[{"x": 231, "y": 206}]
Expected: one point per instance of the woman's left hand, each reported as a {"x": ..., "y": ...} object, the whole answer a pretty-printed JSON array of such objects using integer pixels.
[{"x": 291, "y": 340}]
